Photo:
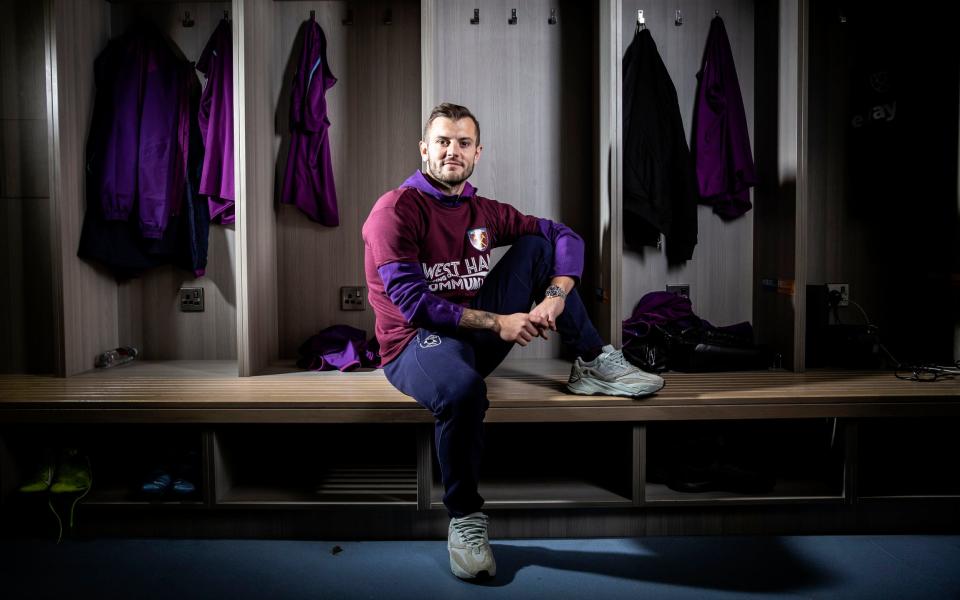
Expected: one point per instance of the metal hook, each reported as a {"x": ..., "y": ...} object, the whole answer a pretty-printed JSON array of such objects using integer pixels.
[
  {"x": 716, "y": 13},
  {"x": 553, "y": 17},
  {"x": 226, "y": 15},
  {"x": 513, "y": 17},
  {"x": 476, "y": 17},
  {"x": 678, "y": 19},
  {"x": 187, "y": 21},
  {"x": 313, "y": 15},
  {"x": 348, "y": 20},
  {"x": 388, "y": 17},
  {"x": 641, "y": 22}
]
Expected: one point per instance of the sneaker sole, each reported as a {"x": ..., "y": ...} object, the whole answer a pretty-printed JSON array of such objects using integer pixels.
[{"x": 589, "y": 387}]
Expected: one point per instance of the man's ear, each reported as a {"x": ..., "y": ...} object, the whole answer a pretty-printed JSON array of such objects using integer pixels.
[
  {"x": 423, "y": 151},
  {"x": 479, "y": 150}
]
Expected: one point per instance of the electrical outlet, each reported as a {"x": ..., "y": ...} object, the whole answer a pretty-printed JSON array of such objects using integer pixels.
[
  {"x": 680, "y": 289},
  {"x": 841, "y": 288},
  {"x": 191, "y": 299},
  {"x": 352, "y": 298}
]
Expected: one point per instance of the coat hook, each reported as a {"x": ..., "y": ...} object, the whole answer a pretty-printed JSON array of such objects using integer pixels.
[
  {"x": 348, "y": 20},
  {"x": 678, "y": 19},
  {"x": 641, "y": 22},
  {"x": 388, "y": 17},
  {"x": 226, "y": 15},
  {"x": 553, "y": 17},
  {"x": 313, "y": 15},
  {"x": 476, "y": 17},
  {"x": 716, "y": 13},
  {"x": 187, "y": 21},
  {"x": 513, "y": 17}
]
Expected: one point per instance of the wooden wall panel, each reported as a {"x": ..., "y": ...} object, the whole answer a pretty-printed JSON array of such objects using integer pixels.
[
  {"x": 609, "y": 164},
  {"x": 150, "y": 317},
  {"x": 720, "y": 274},
  {"x": 254, "y": 34},
  {"x": 374, "y": 115},
  {"x": 531, "y": 85},
  {"x": 26, "y": 309},
  {"x": 85, "y": 295},
  {"x": 776, "y": 194}
]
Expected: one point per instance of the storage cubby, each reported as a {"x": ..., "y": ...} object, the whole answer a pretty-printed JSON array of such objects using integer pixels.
[
  {"x": 121, "y": 459},
  {"x": 553, "y": 465},
  {"x": 762, "y": 461},
  {"x": 871, "y": 97},
  {"x": 100, "y": 311},
  {"x": 529, "y": 84},
  {"x": 312, "y": 465},
  {"x": 914, "y": 457},
  {"x": 732, "y": 256}
]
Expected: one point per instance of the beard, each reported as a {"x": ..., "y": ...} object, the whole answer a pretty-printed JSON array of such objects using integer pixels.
[{"x": 450, "y": 179}]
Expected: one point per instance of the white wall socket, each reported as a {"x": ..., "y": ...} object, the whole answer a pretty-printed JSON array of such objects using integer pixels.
[{"x": 844, "y": 291}]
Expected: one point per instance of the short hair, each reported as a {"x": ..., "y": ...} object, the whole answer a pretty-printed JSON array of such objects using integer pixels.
[{"x": 454, "y": 112}]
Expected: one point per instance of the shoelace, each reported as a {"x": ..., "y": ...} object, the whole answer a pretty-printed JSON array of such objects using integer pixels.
[
  {"x": 472, "y": 529},
  {"x": 616, "y": 357}
]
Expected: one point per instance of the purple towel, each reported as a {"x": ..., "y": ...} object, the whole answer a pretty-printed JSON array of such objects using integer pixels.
[{"x": 339, "y": 347}]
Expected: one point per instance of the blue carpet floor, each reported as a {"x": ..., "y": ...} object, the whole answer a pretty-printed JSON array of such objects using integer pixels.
[{"x": 871, "y": 567}]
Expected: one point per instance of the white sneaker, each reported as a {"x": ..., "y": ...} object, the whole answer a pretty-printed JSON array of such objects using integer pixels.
[
  {"x": 469, "y": 546},
  {"x": 613, "y": 375}
]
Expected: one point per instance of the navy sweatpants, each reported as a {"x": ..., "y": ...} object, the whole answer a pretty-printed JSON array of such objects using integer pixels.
[{"x": 444, "y": 372}]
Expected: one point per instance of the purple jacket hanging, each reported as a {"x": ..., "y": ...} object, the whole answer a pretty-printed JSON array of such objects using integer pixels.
[
  {"x": 216, "y": 124},
  {"x": 138, "y": 148},
  {"x": 721, "y": 141},
  {"x": 308, "y": 181}
]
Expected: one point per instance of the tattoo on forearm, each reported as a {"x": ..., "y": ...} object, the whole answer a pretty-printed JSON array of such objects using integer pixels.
[{"x": 478, "y": 319}]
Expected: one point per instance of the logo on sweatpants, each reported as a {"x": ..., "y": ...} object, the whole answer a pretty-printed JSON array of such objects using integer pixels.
[{"x": 430, "y": 341}]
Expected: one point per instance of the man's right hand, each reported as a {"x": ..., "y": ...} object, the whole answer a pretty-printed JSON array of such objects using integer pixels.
[{"x": 517, "y": 327}]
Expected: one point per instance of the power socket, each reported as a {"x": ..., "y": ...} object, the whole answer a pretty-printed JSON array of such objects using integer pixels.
[
  {"x": 191, "y": 299},
  {"x": 841, "y": 288},
  {"x": 353, "y": 297}
]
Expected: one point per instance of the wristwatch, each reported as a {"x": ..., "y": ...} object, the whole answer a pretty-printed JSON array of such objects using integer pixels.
[{"x": 555, "y": 291}]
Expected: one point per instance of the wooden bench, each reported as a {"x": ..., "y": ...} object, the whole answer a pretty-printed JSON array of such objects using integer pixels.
[
  {"x": 364, "y": 444},
  {"x": 522, "y": 391}
]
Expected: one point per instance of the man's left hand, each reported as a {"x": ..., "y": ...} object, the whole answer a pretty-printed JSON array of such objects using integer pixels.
[{"x": 544, "y": 315}]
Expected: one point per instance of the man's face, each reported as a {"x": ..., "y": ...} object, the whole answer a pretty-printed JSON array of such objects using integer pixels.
[{"x": 451, "y": 150}]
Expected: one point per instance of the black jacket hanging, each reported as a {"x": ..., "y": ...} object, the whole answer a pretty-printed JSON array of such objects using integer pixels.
[{"x": 660, "y": 186}]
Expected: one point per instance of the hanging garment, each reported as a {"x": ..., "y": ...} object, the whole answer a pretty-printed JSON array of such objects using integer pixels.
[
  {"x": 308, "y": 181},
  {"x": 216, "y": 124},
  {"x": 121, "y": 244},
  {"x": 660, "y": 189},
  {"x": 721, "y": 141},
  {"x": 135, "y": 139},
  {"x": 195, "y": 213}
]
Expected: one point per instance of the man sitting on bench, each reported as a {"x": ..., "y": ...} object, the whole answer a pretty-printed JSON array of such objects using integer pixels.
[{"x": 445, "y": 319}]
